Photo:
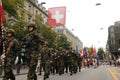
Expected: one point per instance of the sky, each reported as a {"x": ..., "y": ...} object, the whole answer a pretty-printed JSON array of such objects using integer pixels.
[{"x": 90, "y": 22}]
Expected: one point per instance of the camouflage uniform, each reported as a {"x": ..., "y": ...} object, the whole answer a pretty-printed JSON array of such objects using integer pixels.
[
  {"x": 55, "y": 62},
  {"x": 33, "y": 43},
  {"x": 12, "y": 47},
  {"x": 71, "y": 60},
  {"x": 60, "y": 61},
  {"x": 75, "y": 61},
  {"x": 79, "y": 62},
  {"x": 52, "y": 61},
  {"x": 46, "y": 60}
]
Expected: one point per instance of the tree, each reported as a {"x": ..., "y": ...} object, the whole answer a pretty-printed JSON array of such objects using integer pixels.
[
  {"x": 15, "y": 8},
  {"x": 19, "y": 28},
  {"x": 63, "y": 42},
  {"x": 101, "y": 53},
  {"x": 46, "y": 31},
  {"x": 11, "y": 6}
]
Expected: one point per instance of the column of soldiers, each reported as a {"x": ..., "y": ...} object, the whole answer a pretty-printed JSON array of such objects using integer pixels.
[
  {"x": 59, "y": 61},
  {"x": 51, "y": 61}
]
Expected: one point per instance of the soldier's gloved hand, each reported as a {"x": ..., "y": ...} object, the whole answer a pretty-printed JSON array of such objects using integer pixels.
[
  {"x": 51, "y": 61},
  {"x": 3, "y": 56}
]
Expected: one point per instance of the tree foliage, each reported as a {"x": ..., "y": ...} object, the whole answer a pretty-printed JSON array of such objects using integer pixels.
[
  {"x": 101, "y": 53},
  {"x": 19, "y": 28},
  {"x": 63, "y": 42},
  {"x": 46, "y": 31},
  {"x": 11, "y": 6}
]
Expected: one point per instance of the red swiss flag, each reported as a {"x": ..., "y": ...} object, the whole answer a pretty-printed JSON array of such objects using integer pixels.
[
  {"x": 56, "y": 16},
  {"x": 1, "y": 13}
]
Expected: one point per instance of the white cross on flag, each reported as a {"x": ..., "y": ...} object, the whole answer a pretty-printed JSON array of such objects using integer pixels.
[{"x": 56, "y": 16}]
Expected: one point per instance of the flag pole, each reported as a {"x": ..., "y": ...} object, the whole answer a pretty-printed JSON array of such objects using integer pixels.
[{"x": 3, "y": 37}]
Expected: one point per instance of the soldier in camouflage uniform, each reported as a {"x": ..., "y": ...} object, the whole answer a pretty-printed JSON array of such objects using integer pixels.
[
  {"x": 46, "y": 60},
  {"x": 9, "y": 56},
  {"x": 55, "y": 62},
  {"x": 75, "y": 61},
  {"x": 52, "y": 60},
  {"x": 61, "y": 61},
  {"x": 33, "y": 44},
  {"x": 71, "y": 60},
  {"x": 79, "y": 61},
  {"x": 66, "y": 64}
]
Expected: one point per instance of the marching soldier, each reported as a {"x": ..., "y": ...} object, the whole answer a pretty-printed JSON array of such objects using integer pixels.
[
  {"x": 61, "y": 61},
  {"x": 71, "y": 60},
  {"x": 33, "y": 44},
  {"x": 12, "y": 47},
  {"x": 79, "y": 62},
  {"x": 55, "y": 61},
  {"x": 52, "y": 69},
  {"x": 66, "y": 62},
  {"x": 75, "y": 61},
  {"x": 46, "y": 60}
]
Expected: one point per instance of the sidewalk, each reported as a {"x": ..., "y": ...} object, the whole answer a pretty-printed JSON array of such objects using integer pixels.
[{"x": 22, "y": 72}]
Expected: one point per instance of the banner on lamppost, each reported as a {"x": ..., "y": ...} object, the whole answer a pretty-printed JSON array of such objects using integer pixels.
[{"x": 57, "y": 16}]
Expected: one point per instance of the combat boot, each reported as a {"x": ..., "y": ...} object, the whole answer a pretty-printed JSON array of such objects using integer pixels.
[
  {"x": 11, "y": 75},
  {"x": 39, "y": 73},
  {"x": 71, "y": 74},
  {"x": 35, "y": 77},
  {"x": 44, "y": 78}
]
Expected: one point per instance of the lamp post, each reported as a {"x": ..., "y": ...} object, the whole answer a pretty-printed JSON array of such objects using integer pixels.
[{"x": 43, "y": 3}]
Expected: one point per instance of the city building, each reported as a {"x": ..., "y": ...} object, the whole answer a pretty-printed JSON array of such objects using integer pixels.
[
  {"x": 76, "y": 43},
  {"x": 114, "y": 39},
  {"x": 33, "y": 8},
  {"x": 28, "y": 13}
]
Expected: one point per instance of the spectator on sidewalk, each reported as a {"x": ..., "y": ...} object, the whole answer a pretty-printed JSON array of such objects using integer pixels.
[{"x": 18, "y": 63}]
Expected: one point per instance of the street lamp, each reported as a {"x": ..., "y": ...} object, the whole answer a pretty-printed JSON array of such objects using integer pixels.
[
  {"x": 101, "y": 28},
  {"x": 97, "y": 4},
  {"x": 72, "y": 29},
  {"x": 43, "y": 3}
]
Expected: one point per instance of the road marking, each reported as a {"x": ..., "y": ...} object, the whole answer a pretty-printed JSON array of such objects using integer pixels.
[{"x": 113, "y": 74}]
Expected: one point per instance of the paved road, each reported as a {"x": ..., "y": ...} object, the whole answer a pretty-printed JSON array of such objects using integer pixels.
[{"x": 101, "y": 73}]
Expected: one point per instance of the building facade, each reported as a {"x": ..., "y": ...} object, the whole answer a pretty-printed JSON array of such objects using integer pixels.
[
  {"x": 29, "y": 12},
  {"x": 114, "y": 39},
  {"x": 76, "y": 43},
  {"x": 33, "y": 8}
]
